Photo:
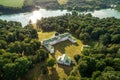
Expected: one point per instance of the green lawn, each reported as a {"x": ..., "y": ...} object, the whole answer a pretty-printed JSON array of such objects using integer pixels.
[
  {"x": 62, "y": 1},
  {"x": 12, "y": 3}
]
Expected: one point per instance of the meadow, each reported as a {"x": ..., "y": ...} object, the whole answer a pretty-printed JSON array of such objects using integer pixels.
[
  {"x": 12, "y": 3},
  {"x": 62, "y": 1}
]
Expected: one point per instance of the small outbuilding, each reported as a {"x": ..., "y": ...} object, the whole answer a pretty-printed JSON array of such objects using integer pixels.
[{"x": 64, "y": 59}]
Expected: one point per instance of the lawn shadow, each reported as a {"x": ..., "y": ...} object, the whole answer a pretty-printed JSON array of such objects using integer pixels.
[
  {"x": 62, "y": 45},
  {"x": 76, "y": 44},
  {"x": 54, "y": 74},
  {"x": 53, "y": 55},
  {"x": 67, "y": 69}
]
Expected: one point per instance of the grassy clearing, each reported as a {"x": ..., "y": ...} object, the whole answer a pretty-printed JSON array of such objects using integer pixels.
[
  {"x": 61, "y": 71},
  {"x": 58, "y": 72},
  {"x": 62, "y": 1},
  {"x": 68, "y": 48},
  {"x": 12, "y": 3}
]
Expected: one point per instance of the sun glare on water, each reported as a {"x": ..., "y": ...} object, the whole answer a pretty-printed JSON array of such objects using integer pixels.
[{"x": 36, "y": 16}]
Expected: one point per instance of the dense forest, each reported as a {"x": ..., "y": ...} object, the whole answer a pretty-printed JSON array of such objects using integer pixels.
[
  {"x": 20, "y": 50},
  {"x": 102, "y": 60}
]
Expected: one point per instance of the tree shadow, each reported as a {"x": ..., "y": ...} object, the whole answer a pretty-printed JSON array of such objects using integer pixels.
[
  {"x": 67, "y": 69},
  {"x": 76, "y": 44},
  {"x": 53, "y": 55},
  {"x": 61, "y": 46},
  {"x": 54, "y": 75}
]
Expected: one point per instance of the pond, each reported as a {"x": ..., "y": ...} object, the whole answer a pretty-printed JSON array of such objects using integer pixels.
[{"x": 38, "y": 14}]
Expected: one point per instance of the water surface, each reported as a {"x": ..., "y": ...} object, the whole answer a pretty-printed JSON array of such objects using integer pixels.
[
  {"x": 24, "y": 18},
  {"x": 38, "y": 14}
]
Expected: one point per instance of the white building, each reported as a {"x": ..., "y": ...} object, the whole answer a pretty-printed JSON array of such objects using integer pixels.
[
  {"x": 56, "y": 39},
  {"x": 64, "y": 59}
]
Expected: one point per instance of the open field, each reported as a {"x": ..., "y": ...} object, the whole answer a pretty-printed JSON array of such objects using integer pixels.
[
  {"x": 12, "y": 3},
  {"x": 62, "y": 1}
]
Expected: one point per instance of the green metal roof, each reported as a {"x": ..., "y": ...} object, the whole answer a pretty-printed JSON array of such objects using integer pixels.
[{"x": 55, "y": 38}]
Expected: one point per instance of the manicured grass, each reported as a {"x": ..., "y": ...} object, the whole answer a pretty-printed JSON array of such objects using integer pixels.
[
  {"x": 62, "y": 1},
  {"x": 12, "y": 3}
]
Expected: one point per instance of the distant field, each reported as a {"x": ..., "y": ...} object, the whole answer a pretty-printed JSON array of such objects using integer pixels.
[
  {"x": 12, "y": 3},
  {"x": 62, "y": 1}
]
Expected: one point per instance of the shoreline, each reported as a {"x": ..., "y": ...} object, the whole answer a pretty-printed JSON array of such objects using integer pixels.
[
  {"x": 17, "y": 10},
  {"x": 36, "y": 7}
]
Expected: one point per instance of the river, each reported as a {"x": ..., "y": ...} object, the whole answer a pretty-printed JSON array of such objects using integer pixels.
[{"x": 38, "y": 14}]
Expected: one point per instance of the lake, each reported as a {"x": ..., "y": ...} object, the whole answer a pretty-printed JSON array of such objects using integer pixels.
[
  {"x": 38, "y": 14},
  {"x": 24, "y": 18}
]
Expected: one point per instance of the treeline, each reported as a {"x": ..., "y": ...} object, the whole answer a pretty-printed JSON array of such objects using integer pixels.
[
  {"x": 84, "y": 5},
  {"x": 9, "y": 10},
  {"x": 47, "y": 4},
  {"x": 20, "y": 50},
  {"x": 102, "y": 59},
  {"x": 78, "y": 5}
]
